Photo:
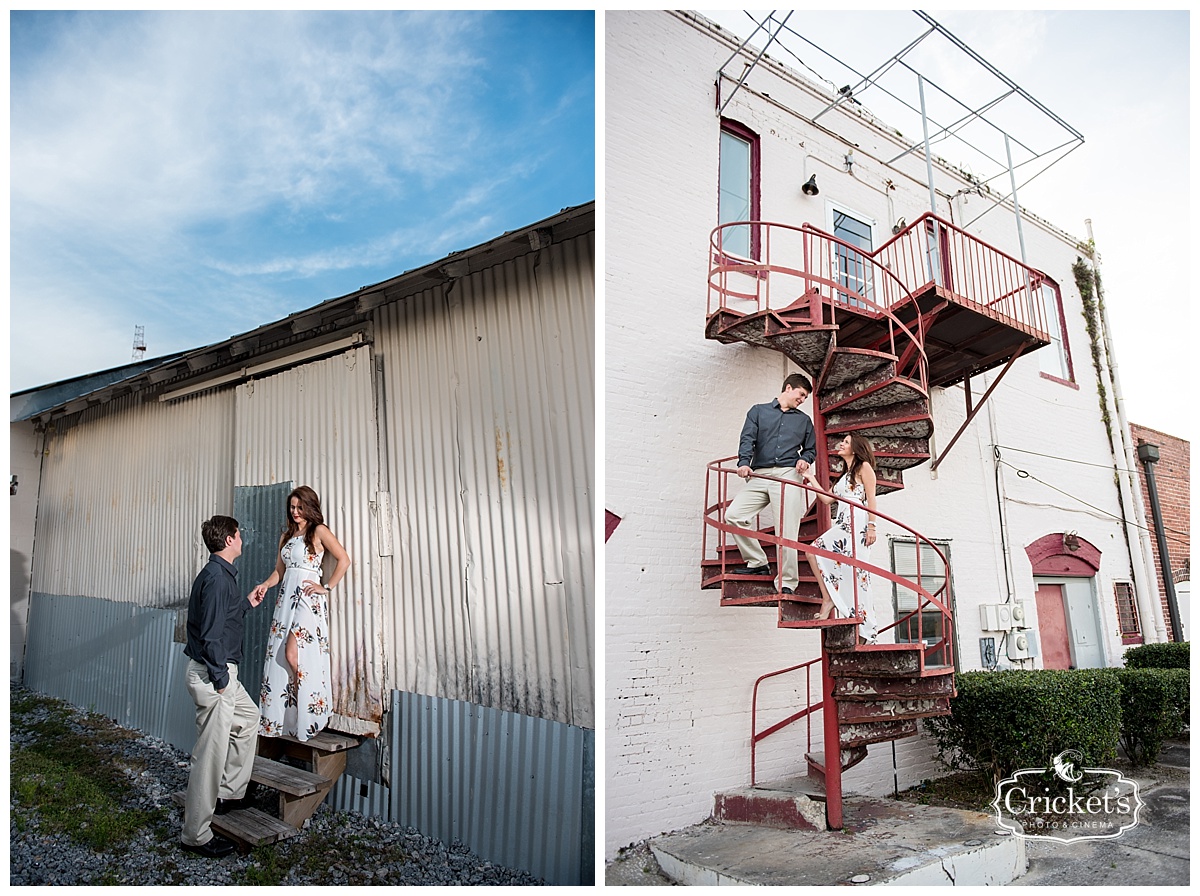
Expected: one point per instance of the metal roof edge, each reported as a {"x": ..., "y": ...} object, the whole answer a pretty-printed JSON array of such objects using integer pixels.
[{"x": 320, "y": 322}]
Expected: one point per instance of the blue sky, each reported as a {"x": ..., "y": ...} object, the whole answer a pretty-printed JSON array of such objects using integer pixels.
[{"x": 200, "y": 174}]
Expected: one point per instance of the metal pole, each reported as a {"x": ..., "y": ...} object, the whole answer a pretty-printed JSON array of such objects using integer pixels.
[
  {"x": 935, "y": 267},
  {"x": 1148, "y": 455},
  {"x": 1012, "y": 179}
]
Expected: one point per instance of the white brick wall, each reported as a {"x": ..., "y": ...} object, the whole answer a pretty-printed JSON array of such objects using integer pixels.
[{"x": 679, "y": 669}]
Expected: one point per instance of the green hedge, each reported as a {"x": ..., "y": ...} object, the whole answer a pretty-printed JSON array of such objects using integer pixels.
[
  {"x": 1154, "y": 707},
  {"x": 1004, "y": 721},
  {"x": 1167, "y": 655}
]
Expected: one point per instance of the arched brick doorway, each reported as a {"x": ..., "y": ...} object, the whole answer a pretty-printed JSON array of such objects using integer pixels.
[{"x": 1064, "y": 571}]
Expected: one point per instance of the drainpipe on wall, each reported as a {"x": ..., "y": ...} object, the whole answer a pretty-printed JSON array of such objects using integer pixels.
[
  {"x": 1148, "y": 455},
  {"x": 1142, "y": 566}
]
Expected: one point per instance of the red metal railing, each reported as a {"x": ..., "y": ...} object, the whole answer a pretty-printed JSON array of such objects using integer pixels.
[
  {"x": 931, "y": 607},
  {"x": 806, "y": 713},
  {"x": 834, "y": 275},
  {"x": 935, "y": 652},
  {"x": 931, "y": 251}
]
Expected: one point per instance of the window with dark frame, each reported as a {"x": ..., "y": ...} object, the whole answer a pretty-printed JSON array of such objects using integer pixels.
[
  {"x": 739, "y": 189},
  {"x": 928, "y": 626},
  {"x": 1127, "y": 614}
]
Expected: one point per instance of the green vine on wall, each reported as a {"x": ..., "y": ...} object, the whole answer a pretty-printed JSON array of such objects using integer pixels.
[{"x": 1087, "y": 281}]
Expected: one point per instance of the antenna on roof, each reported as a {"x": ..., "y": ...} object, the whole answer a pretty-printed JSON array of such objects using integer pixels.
[{"x": 139, "y": 342}]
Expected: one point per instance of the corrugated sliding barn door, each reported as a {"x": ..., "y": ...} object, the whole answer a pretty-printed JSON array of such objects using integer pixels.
[{"x": 315, "y": 425}]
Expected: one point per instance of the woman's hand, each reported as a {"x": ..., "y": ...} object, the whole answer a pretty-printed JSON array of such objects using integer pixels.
[
  {"x": 311, "y": 588},
  {"x": 869, "y": 535}
]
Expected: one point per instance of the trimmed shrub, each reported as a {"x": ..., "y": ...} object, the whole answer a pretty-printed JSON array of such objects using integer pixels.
[
  {"x": 1004, "y": 721},
  {"x": 1154, "y": 707},
  {"x": 1167, "y": 655}
]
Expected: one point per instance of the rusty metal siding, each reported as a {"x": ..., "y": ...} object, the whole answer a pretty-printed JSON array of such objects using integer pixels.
[
  {"x": 490, "y": 410},
  {"x": 514, "y": 789},
  {"x": 123, "y": 493},
  {"x": 315, "y": 425}
]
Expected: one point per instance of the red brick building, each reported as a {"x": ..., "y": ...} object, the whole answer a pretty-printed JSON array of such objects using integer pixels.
[{"x": 1171, "y": 475}]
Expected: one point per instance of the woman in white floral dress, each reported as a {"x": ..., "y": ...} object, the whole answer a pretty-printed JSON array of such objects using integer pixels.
[
  {"x": 851, "y": 534},
  {"x": 296, "y": 696}
]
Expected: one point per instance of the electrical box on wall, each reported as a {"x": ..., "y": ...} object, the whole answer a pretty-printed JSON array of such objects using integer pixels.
[
  {"x": 1022, "y": 645},
  {"x": 1002, "y": 617},
  {"x": 995, "y": 617}
]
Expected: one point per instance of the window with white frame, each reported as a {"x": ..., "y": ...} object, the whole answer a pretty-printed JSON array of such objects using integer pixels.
[
  {"x": 1055, "y": 359},
  {"x": 852, "y": 263},
  {"x": 927, "y": 569}
]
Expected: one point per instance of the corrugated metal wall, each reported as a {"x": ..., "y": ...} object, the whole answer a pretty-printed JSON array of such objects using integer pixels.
[
  {"x": 315, "y": 425},
  {"x": 513, "y": 788},
  {"x": 123, "y": 494},
  {"x": 489, "y": 386},
  {"x": 114, "y": 658}
]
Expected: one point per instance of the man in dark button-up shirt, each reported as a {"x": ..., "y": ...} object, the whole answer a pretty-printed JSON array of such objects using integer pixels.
[
  {"x": 226, "y": 717},
  {"x": 778, "y": 441}
]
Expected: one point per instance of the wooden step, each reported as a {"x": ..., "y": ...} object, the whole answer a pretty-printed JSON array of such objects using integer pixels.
[
  {"x": 301, "y": 792},
  {"x": 286, "y": 778},
  {"x": 325, "y": 740},
  {"x": 247, "y": 827}
]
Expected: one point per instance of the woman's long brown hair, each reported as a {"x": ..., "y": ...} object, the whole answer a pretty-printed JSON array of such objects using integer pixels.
[
  {"x": 863, "y": 454},
  {"x": 310, "y": 509}
]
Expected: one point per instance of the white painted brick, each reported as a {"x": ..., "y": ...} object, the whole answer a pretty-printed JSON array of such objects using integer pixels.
[{"x": 679, "y": 670}]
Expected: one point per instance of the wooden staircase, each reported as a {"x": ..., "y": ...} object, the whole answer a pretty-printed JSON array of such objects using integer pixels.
[{"x": 301, "y": 789}]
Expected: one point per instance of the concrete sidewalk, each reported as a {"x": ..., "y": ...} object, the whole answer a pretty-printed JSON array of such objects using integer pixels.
[{"x": 891, "y": 842}]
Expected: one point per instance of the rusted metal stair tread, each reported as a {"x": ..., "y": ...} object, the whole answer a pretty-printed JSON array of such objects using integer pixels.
[
  {"x": 286, "y": 778},
  {"x": 816, "y": 759},
  {"x": 856, "y": 734},
  {"x": 325, "y": 740},
  {"x": 847, "y": 365},
  {"x": 252, "y": 827},
  {"x": 891, "y": 708}
]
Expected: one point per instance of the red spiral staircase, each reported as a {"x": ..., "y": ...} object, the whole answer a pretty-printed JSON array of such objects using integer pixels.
[{"x": 876, "y": 332}]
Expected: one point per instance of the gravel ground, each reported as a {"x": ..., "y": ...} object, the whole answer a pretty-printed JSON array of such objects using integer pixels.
[{"x": 38, "y": 857}]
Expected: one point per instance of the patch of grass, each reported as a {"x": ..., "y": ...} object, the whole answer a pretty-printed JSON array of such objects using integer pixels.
[
  {"x": 69, "y": 777},
  {"x": 973, "y": 790},
  {"x": 264, "y": 869}
]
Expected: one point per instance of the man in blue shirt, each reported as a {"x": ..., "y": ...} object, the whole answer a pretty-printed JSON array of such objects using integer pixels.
[
  {"x": 226, "y": 717},
  {"x": 778, "y": 441}
]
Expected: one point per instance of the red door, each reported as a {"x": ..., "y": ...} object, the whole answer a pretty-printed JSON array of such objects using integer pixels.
[{"x": 1052, "y": 627}]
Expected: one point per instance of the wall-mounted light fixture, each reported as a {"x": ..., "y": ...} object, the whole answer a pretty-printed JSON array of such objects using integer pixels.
[
  {"x": 1071, "y": 541},
  {"x": 849, "y": 161},
  {"x": 810, "y": 187},
  {"x": 899, "y": 225}
]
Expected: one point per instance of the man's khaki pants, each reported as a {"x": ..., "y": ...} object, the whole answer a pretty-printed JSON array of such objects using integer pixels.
[
  {"x": 754, "y": 496},
  {"x": 223, "y": 758}
]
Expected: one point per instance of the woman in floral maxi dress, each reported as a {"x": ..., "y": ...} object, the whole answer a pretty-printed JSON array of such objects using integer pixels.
[
  {"x": 296, "y": 695},
  {"x": 851, "y": 526}
]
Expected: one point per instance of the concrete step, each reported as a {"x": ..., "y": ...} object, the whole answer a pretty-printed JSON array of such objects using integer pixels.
[
  {"x": 783, "y": 806},
  {"x": 883, "y": 842}
]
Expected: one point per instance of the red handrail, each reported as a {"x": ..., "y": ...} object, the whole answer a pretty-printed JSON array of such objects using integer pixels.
[
  {"x": 809, "y": 709},
  {"x": 929, "y": 251},
  {"x": 938, "y": 601}
]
